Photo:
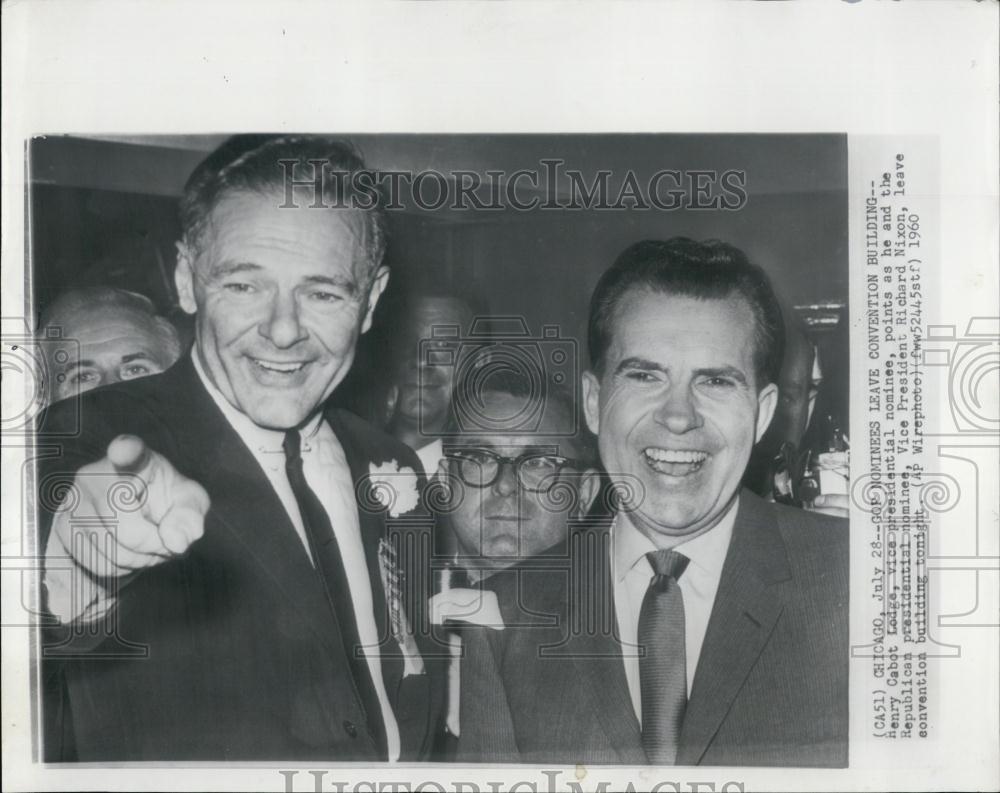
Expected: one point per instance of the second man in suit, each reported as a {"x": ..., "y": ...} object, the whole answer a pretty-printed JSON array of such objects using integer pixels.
[{"x": 691, "y": 622}]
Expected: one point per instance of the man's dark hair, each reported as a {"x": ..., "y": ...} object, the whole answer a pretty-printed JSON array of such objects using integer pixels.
[
  {"x": 253, "y": 163},
  {"x": 710, "y": 270},
  {"x": 471, "y": 386}
]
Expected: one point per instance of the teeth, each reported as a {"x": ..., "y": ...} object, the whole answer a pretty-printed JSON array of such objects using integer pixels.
[
  {"x": 676, "y": 456},
  {"x": 283, "y": 368}
]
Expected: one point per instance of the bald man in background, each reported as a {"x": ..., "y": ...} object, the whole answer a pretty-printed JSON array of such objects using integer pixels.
[{"x": 109, "y": 335}]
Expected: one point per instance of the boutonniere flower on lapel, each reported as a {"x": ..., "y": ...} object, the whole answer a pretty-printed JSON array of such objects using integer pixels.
[{"x": 393, "y": 487}]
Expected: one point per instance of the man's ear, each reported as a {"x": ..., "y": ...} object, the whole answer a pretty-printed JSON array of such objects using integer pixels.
[
  {"x": 379, "y": 283},
  {"x": 767, "y": 402},
  {"x": 443, "y": 477},
  {"x": 184, "y": 278},
  {"x": 592, "y": 401},
  {"x": 441, "y": 473},
  {"x": 590, "y": 484}
]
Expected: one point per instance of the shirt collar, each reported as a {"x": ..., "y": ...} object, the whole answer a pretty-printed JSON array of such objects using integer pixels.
[
  {"x": 706, "y": 551},
  {"x": 258, "y": 439}
]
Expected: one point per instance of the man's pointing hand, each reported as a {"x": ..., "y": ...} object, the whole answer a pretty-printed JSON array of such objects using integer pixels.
[{"x": 136, "y": 511}]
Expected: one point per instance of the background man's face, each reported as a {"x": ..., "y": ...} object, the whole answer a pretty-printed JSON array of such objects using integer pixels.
[
  {"x": 795, "y": 389},
  {"x": 677, "y": 408},
  {"x": 425, "y": 391},
  {"x": 115, "y": 344},
  {"x": 504, "y": 521},
  {"x": 281, "y": 299}
]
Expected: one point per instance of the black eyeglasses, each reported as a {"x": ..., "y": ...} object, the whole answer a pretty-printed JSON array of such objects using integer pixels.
[{"x": 536, "y": 471}]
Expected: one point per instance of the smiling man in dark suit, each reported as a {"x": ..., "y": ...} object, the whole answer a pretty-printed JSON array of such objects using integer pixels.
[
  {"x": 249, "y": 603},
  {"x": 686, "y": 621}
]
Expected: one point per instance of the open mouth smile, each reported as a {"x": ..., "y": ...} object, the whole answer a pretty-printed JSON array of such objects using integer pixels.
[
  {"x": 277, "y": 371},
  {"x": 674, "y": 462}
]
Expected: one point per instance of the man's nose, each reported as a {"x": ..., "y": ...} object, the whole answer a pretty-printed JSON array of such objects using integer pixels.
[
  {"x": 282, "y": 326},
  {"x": 506, "y": 483},
  {"x": 678, "y": 412}
]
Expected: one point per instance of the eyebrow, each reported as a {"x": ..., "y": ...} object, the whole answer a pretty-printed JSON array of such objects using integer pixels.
[
  {"x": 231, "y": 268},
  {"x": 723, "y": 371},
  {"x": 85, "y": 364},
  {"x": 491, "y": 446},
  {"x": 645, "y": 365},
  {"x": 347, "y": 284},
  {"x": 137, "y": 356}
]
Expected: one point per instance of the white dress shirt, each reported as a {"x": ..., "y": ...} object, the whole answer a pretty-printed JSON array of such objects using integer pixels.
[
  {"x": 699, "y": 583},
  {"x": 430, "y": 455},
  {"x": 329, "y": 476}
]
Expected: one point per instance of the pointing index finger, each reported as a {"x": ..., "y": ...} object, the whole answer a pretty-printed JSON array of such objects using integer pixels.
[{"x": 128, "y": 454}]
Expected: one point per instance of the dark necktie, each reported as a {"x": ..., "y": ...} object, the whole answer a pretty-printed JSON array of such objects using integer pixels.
[
  {"x": 663, "y": 666},
  {"x": 330, "y": 567}
]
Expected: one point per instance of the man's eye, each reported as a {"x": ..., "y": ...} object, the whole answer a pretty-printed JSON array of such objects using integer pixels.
[
  {"x": 542, "y": 462},
  {"x": 719, "y": 382},
  {"x": 238, "y": 287},
  {"x": 639, "y": 376},
  {"x": 325, "y": 296},
  {"x": 84, "y": 378},
  {"x": 135, "y": 370}
]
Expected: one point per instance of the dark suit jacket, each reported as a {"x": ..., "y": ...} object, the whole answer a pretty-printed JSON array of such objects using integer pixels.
[
  {"x": 230, "y": 651},
  {"x": 770, "y": 688}
]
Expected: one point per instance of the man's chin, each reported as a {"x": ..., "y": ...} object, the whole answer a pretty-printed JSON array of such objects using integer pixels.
[
  {"x": 669, "y": 521},
  {"x": 504, "y": 548},
  {"x": 275, "y": 415}
]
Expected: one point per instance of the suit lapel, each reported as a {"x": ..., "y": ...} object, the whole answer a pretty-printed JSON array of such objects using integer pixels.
[
  {"x": 410, "y": 697},
  {"x": 371, "y": 523},
  {"x": 244, "y": 505},
  {"x": 746, "y": 608},
  {"x": 598, "y": 655}
]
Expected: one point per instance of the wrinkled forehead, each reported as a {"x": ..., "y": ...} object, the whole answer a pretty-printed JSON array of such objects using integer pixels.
[
  {"x": 246, "y": 223},
  {"x": 648, "y": 321},
  {"x": 735, "y": 308}
]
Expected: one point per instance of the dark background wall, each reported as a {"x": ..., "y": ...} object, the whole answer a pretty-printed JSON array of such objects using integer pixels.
[{"x": 103, "y": 211}]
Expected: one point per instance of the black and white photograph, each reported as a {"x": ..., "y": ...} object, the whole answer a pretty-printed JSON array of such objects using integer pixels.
[
  {"x": 599, "y": 362},
  {"x": 356, "y": 450}
]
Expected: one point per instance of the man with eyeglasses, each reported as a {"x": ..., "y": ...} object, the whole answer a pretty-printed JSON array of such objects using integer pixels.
[{"x": 515, "y": 488}]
